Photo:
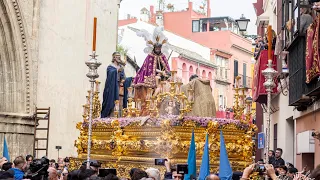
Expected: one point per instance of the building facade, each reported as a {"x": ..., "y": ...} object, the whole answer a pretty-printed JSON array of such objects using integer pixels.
[
  {"x": 42, "y": 65},
  {"x": 295, "y": 106}
]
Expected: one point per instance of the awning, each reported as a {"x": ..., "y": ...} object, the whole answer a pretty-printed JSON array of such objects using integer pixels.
[{"x": 264, "y": 17}]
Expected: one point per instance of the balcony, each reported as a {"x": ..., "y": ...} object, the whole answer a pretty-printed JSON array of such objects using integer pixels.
[
  {"x": 297, "y": 74},
  {"x": 222, "y": 75},
  {"x": 245, "y": 81}
]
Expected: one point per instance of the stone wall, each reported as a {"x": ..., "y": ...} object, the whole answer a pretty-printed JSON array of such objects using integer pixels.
[{"x": 43, "y": 47}]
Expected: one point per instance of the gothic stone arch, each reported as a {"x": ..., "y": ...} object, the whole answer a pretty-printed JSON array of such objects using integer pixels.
[{"x": 16, "y": 82}]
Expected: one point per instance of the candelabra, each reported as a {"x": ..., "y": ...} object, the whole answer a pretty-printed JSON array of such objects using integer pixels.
[
  {"x": 269, "y": 73},
  {"x": 241, "y": 102},
  {"x": 133, "y": 109},
  {"x": 154, "y": 98},
  {"x": 93, "y": 65}
]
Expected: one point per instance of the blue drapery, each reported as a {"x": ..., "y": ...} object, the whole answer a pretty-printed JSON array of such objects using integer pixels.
[{"x": 111, "y": 91}]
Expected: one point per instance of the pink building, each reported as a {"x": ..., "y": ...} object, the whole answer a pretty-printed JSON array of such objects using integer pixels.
[
  {"x": 220, "y": 35},
  {"x": 230, "y": 52}
]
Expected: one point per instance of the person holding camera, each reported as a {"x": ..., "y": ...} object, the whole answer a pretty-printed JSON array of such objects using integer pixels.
[{"x": 268, "y": 169}]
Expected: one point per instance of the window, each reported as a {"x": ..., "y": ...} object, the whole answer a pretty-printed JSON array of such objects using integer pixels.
[
  {"x": 244, "y": 75},
  {"x": 195, "y": 26},
  {"x": 275, "y": 136},
  {"x": 235, "y": 72}
]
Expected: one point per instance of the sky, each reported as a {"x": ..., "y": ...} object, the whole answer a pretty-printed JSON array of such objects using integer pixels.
[{"x": 232, "y": 8}]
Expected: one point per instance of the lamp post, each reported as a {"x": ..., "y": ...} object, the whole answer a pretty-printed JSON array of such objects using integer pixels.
[
  {"x": 269, "y": 73},
  {"x": 242, "y": 23}
]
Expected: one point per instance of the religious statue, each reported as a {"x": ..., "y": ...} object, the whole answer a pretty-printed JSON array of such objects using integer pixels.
[
  {"x": 113, "y": 85},
  {"x": 155, "y": 66},
  {"x": 169, "y": 108}
]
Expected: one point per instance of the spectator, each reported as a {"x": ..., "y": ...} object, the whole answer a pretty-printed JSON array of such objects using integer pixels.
[
  {"x": 153, "y": 173},
  {"x": 305, "y": 20},
  {"x": 291, "y": 172},
  {"x": 315, "y": 173},
  {"x": 139, "y": 174},
  {"x": 271, "y": 155},
  {"x": 2, "y": 161},
  {"x": 212, "y": 177},
  {"x": 6, "y": 166},
  {"x": 282, "y": 170},
  {"x": 52, "y": 163},
  {"x": 278, "y": 161},
  {"x": 111, "y": 177},
  {"x": 19, "y": 167}
]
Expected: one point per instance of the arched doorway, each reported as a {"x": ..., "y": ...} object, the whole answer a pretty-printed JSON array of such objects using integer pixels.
[
  {"x": 184, "y": 72},
  {"x": 191, "y": 71},
  {"x": 204, "y": 75}
]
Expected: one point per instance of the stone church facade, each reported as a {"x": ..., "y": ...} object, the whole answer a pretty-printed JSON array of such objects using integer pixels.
[{"x": 43, "y": 47}]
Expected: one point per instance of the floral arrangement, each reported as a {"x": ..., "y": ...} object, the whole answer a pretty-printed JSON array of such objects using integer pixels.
[{"x": 174, "y": 120}]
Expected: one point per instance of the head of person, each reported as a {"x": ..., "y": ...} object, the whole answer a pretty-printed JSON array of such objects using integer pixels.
[
  {"x": 315, "y": 174},
  {"x": 64, "y": 174},
  {"x": 2, "y": 161},
  {"x": 212, "y": 177},
  {"x": 289, "y": 165},
  {"x": 116, "y": 57},
  {"x": 66, "y": 162},
  {"x": 6, "y": 166},
  {"x": 52, "y": 173},
  {"x": 132, "y": 172},
  {"x": 20, "y": 163},
  {"x": 139, "y": 174},
  {"x": 192, "y": 77},
  {"x": 111, "y": 177},
  {"x": 278, "y": 153},
  {"x": 282, "y": 170},
  {"x": 29, "y": 159},
  {"x": 157, "y": 48},
  {"x": 291, "y": 172},
  {"x": 175, "y": 174},
  {"x": 271, "y": 153},
  {"x": 304, "y": 11},
  {"x": 153, "y": 173}
]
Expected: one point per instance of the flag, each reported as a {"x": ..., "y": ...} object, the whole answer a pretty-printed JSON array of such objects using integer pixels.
[
  {"x": 225, "y": 171},
  {"x": 5, "y": 152},
  {"x": 205, "y": 165},
  {"x": 192, "y": 165}
]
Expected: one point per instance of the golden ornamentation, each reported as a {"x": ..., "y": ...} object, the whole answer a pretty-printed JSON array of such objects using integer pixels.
[{"x": 122, "y": 145}]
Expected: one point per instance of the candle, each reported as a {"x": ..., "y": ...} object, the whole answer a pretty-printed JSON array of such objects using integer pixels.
[
  {"x": 116, "y": 105},
  {"x": 139, "y": 104},
  {"x": 84, "y": 109},
  {"x": 130, "y": 92},
  {"x": 94, "y": 34},
  {"x": 97, "y": 85},
  {"x": 269, "y": 42}
]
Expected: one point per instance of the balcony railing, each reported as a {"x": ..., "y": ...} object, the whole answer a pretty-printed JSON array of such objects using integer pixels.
[
  {"x": 300, "y": 92},
  {"x": 222, "y": 75},
  {"x": 245, "y": 81}
]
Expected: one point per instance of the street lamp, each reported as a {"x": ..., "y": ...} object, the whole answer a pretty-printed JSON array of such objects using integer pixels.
[{"x": 242, "y": 23}]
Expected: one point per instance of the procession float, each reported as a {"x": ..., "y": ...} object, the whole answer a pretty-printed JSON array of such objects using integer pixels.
[{"x": 158, "y": 121}]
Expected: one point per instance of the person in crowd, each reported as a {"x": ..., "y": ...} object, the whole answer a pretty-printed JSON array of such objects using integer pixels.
[
  {"x": 289, "y": 165},
  {"x": 315, "y": 174},
  {"x": 52, "y": 163},
  {"x": 139, "y": 174},
  {"x": 305, "y": 20},
  {"x": 153, "y": 173},
  {"x": 291, "y": 172},
  {"x": 111, "y": 177},
  {"x": 6, "y": 175},
  {"x": 29, "y": 159},
  {"x": 66, "y": 162},
  {"x": 282, "y": 170},
  {"x": 52, "y": 174},
  {"x": 271, "y": 155},
  {"x": 260, "y": 162},
  {"x": 6, "y": 166},
  {"x": 64, "y": 174},
  {"x": 269, "y": 170},
  {"x": 132, "y": 171},
  {"x": 2, "y": 161},
  {"x": 171, "y": 173},
  {"x": 278, "y": 161},
  {"x": 19, "y": 167},
  {"x": 212, "y": 177}
]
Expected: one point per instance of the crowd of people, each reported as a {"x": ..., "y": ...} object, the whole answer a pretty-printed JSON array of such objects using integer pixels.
[{"x": 30, "y": 168}]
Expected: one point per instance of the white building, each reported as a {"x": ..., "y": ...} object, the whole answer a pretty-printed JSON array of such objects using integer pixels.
[{"x": 47, "y": 43}]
